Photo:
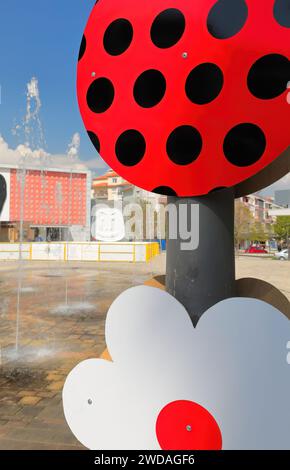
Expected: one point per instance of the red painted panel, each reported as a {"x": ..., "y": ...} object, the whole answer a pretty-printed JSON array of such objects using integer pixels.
[{"x": 49, "y": 198}]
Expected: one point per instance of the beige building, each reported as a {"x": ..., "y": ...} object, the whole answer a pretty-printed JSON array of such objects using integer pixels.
[
  {"x": 261, "y": 208},
  {"x": 112, "y": 187},
  {"x": 109, "y": 186}
]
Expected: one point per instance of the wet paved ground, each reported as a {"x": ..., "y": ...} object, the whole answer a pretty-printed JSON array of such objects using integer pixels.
[{"x": 62, "y": 310}]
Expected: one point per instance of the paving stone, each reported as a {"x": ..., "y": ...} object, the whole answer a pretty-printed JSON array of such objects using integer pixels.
[
  {"x": 56, "y": 386},
  {"x": 54, "y": 377},
  {"x": 30, "y": 400},
  {"x": 24, "y": 393}
]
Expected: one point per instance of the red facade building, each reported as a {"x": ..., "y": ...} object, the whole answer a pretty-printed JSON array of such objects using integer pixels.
[{"x": 47, "y": 199}]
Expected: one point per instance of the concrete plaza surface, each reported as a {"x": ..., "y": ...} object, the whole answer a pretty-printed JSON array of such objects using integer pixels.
[{"x": 52, "y": 316}]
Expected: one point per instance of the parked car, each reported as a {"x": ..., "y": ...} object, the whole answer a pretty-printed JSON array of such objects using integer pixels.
[
  {"x": 282, "y": 255},
  {"x": 256, "y": 249}
]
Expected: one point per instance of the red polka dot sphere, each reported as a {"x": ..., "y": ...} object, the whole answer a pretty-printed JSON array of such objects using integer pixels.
[{"x": 182, "y": 98}]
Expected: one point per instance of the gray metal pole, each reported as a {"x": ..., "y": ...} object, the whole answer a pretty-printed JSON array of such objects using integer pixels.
[{"x": 202, "y": 277}]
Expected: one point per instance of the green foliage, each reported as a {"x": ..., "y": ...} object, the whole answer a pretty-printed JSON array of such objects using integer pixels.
[
  {"x": 280, "y": 228},
  {"x": 259, "y": 233},
  {"x": 247, "y": 228},
  {"x": 244, "y": 222}
]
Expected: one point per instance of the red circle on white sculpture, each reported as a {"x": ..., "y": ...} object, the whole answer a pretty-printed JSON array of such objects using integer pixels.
[{"x": 185, "y": 425}]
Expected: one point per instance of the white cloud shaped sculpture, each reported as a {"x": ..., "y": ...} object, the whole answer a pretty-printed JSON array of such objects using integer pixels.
[{"x": 169, "y": 383}]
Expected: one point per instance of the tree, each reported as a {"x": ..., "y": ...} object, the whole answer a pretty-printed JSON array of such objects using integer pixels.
[
  {"x": 259, "y": 233},
  {"x": 244, "y": 223},
  {"x": 281, "y": 225}
]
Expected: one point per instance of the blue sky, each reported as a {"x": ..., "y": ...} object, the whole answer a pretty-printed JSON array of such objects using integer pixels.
[{"x": 42, "y": 39}]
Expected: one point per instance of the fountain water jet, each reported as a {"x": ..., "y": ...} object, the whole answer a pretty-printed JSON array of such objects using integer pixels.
[{"x": 34, "y": 140}]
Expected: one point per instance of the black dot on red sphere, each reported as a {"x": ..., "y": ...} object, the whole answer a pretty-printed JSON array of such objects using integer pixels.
[
  {"x": 268, "y": 77},
  {"x": 168, "y": 28},
  {"x": 83, "y": 47},
  {"x": 130, "y": 147},
  {"x": 282, "y": 12},
  {"x": 100, "y": 95},
  {"x": 118, "y": 37},
  {"x": 204, "y": 83},
  {"x": 244, "y": 144},
  {"x": 149, "y": 88},
  {"x": 95, "y": 140},
  {"x": 184, "y": 145},
  {"x": 164, "y": 191},
  {"x": 227, "y": 18}
]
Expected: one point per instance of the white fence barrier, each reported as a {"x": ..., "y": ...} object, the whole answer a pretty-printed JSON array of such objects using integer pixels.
[{"x": 132, "y": 252}]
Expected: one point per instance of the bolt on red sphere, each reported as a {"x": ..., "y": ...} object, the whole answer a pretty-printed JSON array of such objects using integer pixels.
[{"x": 188, "y": 99}]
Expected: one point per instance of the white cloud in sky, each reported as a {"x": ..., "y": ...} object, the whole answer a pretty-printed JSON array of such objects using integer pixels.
[
  {"x": 74, "y": 146},
  {"x": 39, "y": 157}
]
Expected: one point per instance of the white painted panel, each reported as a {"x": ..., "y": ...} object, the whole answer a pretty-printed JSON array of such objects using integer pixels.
[
  {"x": 5, "y": 214},
  {"x": 118, "y": 248},
  {"x": 13, "y": 255},
  {"x": 10, "y": 247},
  {"x": 48, "y": 251},
  {"x": 140, "y": 253},
  {"x": 90, "y": 252},
  {"x": 74, "y": 252},
  {"x": 116, "y": 257}
]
